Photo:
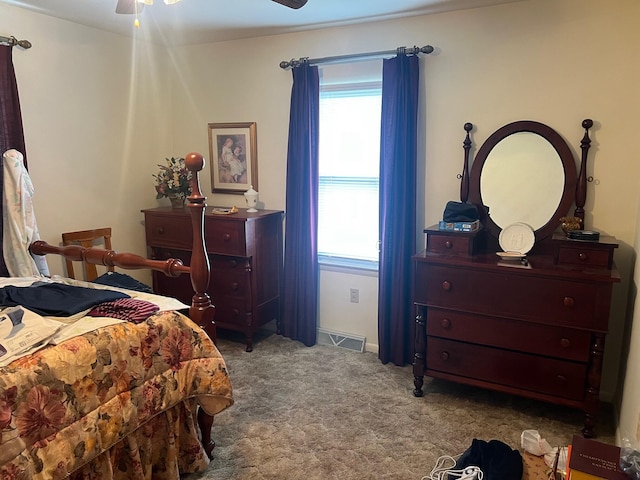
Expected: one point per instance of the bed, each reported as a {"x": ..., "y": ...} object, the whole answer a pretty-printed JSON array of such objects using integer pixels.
[{"x": 127, "y": 400}]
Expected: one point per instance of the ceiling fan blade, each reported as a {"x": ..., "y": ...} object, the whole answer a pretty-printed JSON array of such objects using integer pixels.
[
  {"x": 292, "y": 3},
  {"x": 128, "y": 7}
]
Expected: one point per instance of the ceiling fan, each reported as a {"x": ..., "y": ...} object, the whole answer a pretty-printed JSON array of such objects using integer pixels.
[{"x": 136, "y": 6}]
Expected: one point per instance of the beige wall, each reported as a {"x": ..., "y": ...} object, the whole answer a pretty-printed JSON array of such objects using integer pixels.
[
  {"x": 554, "y": 61},
  {"x": 96, "y": 111}
]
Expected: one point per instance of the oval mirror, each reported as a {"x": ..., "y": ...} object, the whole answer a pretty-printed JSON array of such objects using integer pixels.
[{"x": 524, "y": 172}]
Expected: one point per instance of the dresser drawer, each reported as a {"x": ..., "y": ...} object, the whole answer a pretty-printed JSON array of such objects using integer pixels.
[
  {"x": 548, "y": 300},
  {"x": 230, "y": 275},
  {"x": 447, "y": 244},
  {"x": 504, "y": 367},
  {"x": 225, "y": 237},
  {"x": 177, "y": 287},
  {"x": 231, "y": 312},
  {"x": 174, "y": 231},
  {"x": 560, "y": 342},
  {"x": 588, "y": 257},
  {"x": 450, "y": 243},
  {"x": 222, "y": 237},
  {"x": 592, "y": 254}
]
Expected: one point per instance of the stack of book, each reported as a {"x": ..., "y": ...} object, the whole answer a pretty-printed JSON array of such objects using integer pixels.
[
  {"x": 459, "y": 226},
  {"x": 593, "y": 460}
]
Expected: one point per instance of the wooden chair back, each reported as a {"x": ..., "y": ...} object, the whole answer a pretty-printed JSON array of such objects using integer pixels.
[{"x": 87, "y": 239}]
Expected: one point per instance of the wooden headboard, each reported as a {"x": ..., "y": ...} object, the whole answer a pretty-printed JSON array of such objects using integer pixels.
[{"x": 201, "y": 310}]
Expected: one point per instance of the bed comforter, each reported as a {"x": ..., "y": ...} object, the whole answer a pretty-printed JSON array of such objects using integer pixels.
[{"x": 117, "y": 402}]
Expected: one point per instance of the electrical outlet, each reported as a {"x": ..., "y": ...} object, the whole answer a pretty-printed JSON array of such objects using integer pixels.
[{"x": 355, "y": 295}]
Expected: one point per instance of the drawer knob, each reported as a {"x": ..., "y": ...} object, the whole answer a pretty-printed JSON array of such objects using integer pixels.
[
  {"x": 568, "y": 302},
  {"x": 226, "y": 237},
  {"x": 235, "y": 312},
  {"x": 583, "y": 257},
  {"x": 160, "y": 230},
  {"x": 234, "y": 286},
  {"x": 565, "y": 342},
  {"x": 444, "y": 356},
  {"x": 448, "y": 244},
  {"x": 233, "y": 263},
  {"x": 446, "y": 323},
  {"x": 446, "y": 285},
  {"x": 561, "y": 380}
]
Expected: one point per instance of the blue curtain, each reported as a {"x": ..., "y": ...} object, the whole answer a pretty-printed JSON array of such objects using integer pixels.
[
  {"x": 400, "y": 77},
  {"x": 300, "y": 305},
  {"x": 11, "y": 132}
]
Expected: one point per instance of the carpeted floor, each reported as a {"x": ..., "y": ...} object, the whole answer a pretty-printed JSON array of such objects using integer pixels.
[{"x": 329, "y": 413}]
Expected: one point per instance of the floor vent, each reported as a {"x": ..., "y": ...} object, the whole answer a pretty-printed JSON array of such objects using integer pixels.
[{"x": 342, "y": 340}]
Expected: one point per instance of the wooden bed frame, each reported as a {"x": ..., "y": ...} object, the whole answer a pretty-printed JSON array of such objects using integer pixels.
[{"x": 201, "y": 310}]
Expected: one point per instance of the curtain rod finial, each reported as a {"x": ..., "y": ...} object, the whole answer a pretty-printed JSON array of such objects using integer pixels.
[{"x": 13, "y": 41}]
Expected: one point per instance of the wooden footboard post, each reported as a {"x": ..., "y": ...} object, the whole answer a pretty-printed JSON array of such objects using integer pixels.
[
  {"x": 202, "y": 311},
  {"x": 205, "y": 422}
]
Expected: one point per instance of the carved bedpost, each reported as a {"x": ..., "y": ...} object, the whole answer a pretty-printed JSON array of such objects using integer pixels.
[
  {"x": 581, "y": 187},
  {"x": 201, "y": 311},
  {"x": 464, "y": 178}
]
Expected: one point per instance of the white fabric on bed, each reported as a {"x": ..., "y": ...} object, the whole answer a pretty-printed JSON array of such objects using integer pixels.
[{"x": 19, "y": 228}]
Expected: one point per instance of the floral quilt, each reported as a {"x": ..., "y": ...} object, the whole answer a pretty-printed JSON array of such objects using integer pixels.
[{"x": 117, "y": 402}]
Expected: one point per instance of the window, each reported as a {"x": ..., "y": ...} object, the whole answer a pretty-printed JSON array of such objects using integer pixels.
[{"x": 349, "y": 159}]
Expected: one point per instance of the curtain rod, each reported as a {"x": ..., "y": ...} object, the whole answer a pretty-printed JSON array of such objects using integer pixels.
[
  {"x": 427, "y": 49},
  {"x": 12, "y": 41}
]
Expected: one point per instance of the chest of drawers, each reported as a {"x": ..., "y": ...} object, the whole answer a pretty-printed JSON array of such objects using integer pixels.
[
  {"x": 536, "y": 330},
  {"x": 245, "y": 254}
]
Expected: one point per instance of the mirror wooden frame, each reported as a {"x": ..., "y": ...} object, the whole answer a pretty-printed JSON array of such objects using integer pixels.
[{"x": 568, "y": 165}]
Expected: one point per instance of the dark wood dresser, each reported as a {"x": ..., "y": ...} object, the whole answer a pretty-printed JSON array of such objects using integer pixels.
[
  {"x": 245, "y": 252},
  {"x": 532, "y": 320},
  {"x": 536, "y": 330}
]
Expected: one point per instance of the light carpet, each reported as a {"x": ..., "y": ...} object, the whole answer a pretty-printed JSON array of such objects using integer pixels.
[{"x": 325, "y": 412}]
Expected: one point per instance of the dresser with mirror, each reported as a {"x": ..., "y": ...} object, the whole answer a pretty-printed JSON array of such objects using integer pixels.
[{"x": 535, "y": 326}]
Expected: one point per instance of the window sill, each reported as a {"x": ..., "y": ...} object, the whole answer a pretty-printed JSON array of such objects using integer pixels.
[{"x": 348, "y": 265}]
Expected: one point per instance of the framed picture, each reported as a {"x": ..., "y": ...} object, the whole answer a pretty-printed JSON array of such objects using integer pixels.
[{"x": 234, "y": 159}]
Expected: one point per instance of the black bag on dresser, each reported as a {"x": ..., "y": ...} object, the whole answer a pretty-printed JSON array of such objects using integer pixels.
[{"x": 460, "y": 212}]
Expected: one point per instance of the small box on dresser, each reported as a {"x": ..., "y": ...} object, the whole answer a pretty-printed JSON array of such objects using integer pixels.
[
  {"x": 598, "y": 254},
  {"x": 448, "y": 242}
]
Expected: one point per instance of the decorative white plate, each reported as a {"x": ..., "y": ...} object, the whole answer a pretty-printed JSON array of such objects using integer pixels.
[
  {"x": 517, "y": 237},
  {"x": 511, "y": 255}
]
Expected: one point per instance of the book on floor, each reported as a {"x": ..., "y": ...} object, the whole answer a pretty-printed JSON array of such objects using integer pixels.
[{"x": 593, "y": 460}]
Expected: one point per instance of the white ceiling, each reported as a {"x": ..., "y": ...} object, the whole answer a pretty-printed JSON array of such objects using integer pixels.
[{"x": 204, "y": 21}]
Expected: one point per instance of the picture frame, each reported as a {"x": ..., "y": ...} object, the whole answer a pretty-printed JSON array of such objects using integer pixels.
[{"x": 233, "y": 151}]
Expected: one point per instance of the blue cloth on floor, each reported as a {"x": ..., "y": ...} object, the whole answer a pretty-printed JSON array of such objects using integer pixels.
[
  {"x": 496, "y": 459},
  {"x": 56, "y": 299}
]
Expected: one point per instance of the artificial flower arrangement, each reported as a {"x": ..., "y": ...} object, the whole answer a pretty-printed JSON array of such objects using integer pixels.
[{"x": 173, "y": 179}]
